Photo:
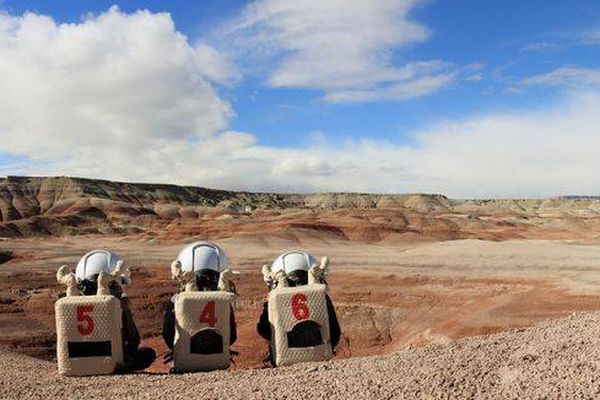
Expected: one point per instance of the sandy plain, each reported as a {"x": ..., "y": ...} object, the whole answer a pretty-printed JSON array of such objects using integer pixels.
[{"x": 387, "y": 297}]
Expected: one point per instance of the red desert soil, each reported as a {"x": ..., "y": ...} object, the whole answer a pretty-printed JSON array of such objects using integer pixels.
[
  {"x": 407, "y": 270},
  {"x": 379, "y": 313}
]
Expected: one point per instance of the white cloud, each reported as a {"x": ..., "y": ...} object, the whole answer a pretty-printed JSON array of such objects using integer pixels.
[
  {"x": 565, "y": 76},
  {"x": 342, "y": 47},
  {"x": 540, "y": 46},
  {"x": 474, "y": 78},
  {"x": 591, "y": 37},
  {"x": 417, "y": 83},
  {"x": 215, "y": 66},
  {"x": 127, "y": 97},
  {"x": 303, "y": 167},
  {"x": 548, "y": 152},
  {"x": 114, "y": 83}
]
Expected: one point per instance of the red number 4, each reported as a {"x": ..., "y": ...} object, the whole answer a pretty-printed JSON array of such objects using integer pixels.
[
  {"x": 207, "y": 316},
  {"x": 299, "y": 308},
  {"x": 87, "y": 325}
]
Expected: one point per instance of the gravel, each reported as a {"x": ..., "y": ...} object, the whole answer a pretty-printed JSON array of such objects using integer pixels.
[{"x": 556, "y": 359}]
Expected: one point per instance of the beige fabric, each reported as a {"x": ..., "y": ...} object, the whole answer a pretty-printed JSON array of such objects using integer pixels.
[
  {"x": 282, "y": 321},
  {"x": 318, "y": 273},
  {"x": 227, "y": 280},
  {"x": 188, "y": 308},
  {"x": 106, "y": 318},
  {"x": 274, "y": 279},
  {"x": 104, "y": 280},
  {"x": 121, "y": 275},
  {"x": 66, "y": 277},
  {"x": 185, "y": 278}
]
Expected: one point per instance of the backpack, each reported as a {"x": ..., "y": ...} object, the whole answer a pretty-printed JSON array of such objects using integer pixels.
[
  {"x": 89, "y": 335},
  {"x": 300, "y": 324},
  {"x": 202, "y": 331}
]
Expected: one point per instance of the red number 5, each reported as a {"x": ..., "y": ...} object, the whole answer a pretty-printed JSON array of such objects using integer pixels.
[
  {"x": 82, "y": 316},
  {"x": 207, "y": 316},
  {"x": 299, "y": 308}
]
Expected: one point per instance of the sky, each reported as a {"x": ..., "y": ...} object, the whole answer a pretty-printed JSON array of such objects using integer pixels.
[{"x": 467, "y": 98}]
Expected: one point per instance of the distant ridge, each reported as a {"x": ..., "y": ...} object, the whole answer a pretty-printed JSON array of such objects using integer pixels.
[
  {"x": 66, "y": 205},
  {"x": 34, "y": 206},
  {"x": 574, "y": 197}
]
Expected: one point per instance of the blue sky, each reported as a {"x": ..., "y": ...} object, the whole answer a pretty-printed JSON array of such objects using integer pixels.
[{"x": 492, "y": 61}]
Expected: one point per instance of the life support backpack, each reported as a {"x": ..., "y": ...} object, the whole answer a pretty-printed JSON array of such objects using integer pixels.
[
  {"x": 202, "y": 331},
  {"x": 300, "y": 324},
  {"x": 88, "y": 330}
]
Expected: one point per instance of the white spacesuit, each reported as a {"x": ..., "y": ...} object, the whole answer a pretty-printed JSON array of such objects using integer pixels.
[
  {"x": 101, "y": 272},
  {"x": 299, "y": 319},
  {"x": 199, "y": 322}
]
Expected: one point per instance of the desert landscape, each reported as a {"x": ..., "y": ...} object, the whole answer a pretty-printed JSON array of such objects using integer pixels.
[
  {"x": 417, "y": 280},
  {"x": 434, "y": 163}
]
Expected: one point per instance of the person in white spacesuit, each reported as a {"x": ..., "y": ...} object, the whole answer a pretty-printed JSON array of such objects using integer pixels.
[
  {"x": 296, "y": 265},
  {"x": 89, "y": 267},
  {"x": 208, "y": 261}
]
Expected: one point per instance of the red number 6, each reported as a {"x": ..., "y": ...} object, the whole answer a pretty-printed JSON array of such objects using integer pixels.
[
  {"x": 299, "y": 308},
  {"x": 82, "y": 316}
]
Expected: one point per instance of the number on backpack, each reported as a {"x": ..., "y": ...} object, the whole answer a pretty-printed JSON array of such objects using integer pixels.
[
  {"x": 299, "y": 308},
  {"x": 207, "y": 316},
  {"x": 87, "y": 323}
]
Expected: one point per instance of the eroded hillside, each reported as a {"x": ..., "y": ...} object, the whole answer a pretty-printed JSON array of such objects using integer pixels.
[{"x": 72, "y": 206}]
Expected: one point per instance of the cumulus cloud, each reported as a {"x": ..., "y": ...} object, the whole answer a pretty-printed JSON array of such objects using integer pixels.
[
  {"x": 114, "y": 83},
  {"x": 126, "y": 97},
  {"x": 546, "y": 152},
  {"x": 342, "y": 47}
]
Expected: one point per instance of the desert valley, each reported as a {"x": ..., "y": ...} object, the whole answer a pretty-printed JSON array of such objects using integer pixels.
[{"x": 408, "y": 271}]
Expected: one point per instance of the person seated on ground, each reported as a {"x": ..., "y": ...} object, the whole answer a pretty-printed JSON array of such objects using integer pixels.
[
  {"x": 135, "y": 357},
  {"x": 295, "y": 264},
  {"x": 208, "y": 261}
]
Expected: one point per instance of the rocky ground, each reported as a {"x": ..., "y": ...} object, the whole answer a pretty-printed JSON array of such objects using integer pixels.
[{"x": 556, "y": 359}]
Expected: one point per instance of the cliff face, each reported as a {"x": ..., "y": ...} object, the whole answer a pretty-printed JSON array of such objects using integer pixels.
[{"x": 67, "y": 206}]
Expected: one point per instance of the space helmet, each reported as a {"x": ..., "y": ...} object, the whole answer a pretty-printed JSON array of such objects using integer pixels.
[
  {"x": 90, "y": 266},
  {"x": 94, "y": 262},
  {"x": 207, "y": 260},
  {"x": 295, "y": 264}
]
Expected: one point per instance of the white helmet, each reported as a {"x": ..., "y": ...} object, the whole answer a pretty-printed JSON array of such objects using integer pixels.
[
  {"x": 202, "y": 255},
  {"x": 94, "y": 262},
  {"x": 293, "y": 261}
]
